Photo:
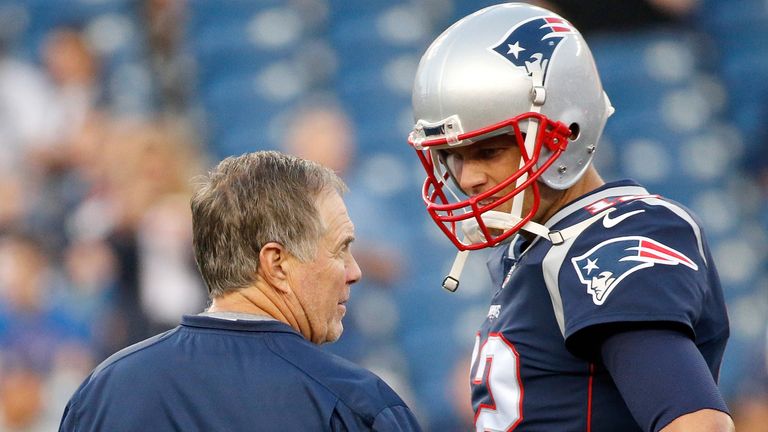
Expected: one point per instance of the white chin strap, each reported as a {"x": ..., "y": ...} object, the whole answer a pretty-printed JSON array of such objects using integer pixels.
[
  {"x": 471, "y": 229},
  {"x": 500, "y": 221},
  {"x": 503, "y": 221}
]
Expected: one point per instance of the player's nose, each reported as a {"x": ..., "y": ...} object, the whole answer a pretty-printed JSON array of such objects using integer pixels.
[{"x": 472, "y": 177}]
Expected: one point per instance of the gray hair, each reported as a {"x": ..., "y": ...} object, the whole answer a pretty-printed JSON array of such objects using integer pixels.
[{"x": 250, "y": 200}]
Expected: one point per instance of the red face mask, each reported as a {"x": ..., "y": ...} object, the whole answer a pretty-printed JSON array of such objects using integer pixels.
[{"x": 447, "y": 213}]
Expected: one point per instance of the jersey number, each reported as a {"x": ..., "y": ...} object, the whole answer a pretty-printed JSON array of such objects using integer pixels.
[{"x": 496, "y": 367}]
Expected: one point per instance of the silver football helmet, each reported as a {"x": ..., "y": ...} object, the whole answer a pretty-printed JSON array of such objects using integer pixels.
[{"x": 507, "y": 69}]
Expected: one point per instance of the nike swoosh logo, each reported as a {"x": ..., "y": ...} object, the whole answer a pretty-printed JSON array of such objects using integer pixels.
[{"x": 610, "y": 222}]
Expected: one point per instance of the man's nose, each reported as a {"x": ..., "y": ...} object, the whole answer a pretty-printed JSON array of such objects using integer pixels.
[
  {"x": 353, "y": 271},
  {"x": 472, "y": 177}
]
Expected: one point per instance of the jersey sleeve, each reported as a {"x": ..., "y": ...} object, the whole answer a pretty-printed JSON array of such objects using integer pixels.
[{"x": 645, "y": 263}]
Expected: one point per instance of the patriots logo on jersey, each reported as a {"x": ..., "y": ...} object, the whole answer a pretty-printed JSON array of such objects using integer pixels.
[
  {"x": 530, "y": 44},
  {"x": 607, "y": 264}
]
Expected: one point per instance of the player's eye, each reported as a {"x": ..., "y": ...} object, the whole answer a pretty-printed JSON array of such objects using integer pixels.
[{"x": 489, "y": 153}]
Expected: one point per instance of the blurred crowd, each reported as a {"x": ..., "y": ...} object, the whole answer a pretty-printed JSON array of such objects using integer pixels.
[
  {"x": 95, "y": 230},
  {"x": 95, "y": 233}
]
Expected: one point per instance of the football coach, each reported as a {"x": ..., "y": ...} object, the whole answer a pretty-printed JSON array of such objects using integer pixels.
[{"x": 272, "y": 241}]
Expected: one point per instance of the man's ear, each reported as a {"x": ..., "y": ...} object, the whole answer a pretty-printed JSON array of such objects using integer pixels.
[{"x": 274, "y": 264}]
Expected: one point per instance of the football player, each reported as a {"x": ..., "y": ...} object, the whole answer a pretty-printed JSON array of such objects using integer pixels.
[{"x": 608, "y": 314}]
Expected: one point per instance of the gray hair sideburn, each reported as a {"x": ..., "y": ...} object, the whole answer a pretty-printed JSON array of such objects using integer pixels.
[{"x": 250, "y": 200}]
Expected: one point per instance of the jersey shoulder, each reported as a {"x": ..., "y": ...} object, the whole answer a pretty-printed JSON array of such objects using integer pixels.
[
  {"x": 662, "y": 222},
  {"x": 652, "y": 206},
  {"x": 641, "y": 258}
]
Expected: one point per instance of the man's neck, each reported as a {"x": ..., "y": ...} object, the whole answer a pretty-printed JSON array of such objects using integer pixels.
[
  {"x": 260, "y": 299},
  {"x": 242, "y": 301},
  {"x": 590, "y": 181},
  {"x": 553, "y": 200}
]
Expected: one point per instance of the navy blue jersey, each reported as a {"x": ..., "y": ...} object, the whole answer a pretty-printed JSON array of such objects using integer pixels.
[
  {"x": 212, "y": 374},
  {"x": 639, "y": 259}
]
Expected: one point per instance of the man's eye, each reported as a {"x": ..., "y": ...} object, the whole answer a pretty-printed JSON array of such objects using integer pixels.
[
  {"x": 345, "y": 248},
  {"x": 490, "y": 153}
]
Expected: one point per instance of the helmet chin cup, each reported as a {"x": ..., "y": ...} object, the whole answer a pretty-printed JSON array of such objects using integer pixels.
[{"x": 492, "y": 219}]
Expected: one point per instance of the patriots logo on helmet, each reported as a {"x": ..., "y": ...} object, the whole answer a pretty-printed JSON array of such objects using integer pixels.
[
  {"x": 607, "y": 264},
  {"x": 530, "y": 44}
]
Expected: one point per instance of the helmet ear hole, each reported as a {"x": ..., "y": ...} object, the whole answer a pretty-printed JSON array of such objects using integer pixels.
[{"x": 575, "y": 131}]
